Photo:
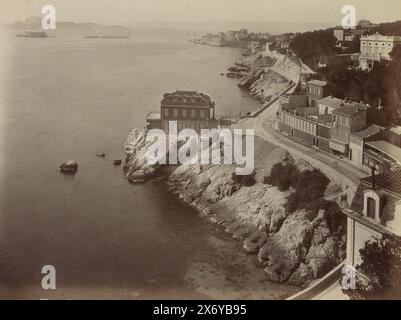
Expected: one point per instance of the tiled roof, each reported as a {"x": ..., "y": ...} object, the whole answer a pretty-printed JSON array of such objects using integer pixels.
[
  {"x": 368, "y": 132},
  {"x": 181, "y": 97},
  {"x": 389, "y": 181}
]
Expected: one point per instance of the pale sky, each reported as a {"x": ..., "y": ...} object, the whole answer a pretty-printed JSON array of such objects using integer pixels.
[{"x": 134, "y": 11}]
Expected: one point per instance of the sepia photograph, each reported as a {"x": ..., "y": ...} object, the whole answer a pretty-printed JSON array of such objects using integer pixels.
[{"x": 167, "y": 151}]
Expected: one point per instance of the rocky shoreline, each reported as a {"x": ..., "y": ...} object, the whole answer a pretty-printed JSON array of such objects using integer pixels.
[
  {"x": 291, "y": 248},
  {"x": 257, "y": 78}
]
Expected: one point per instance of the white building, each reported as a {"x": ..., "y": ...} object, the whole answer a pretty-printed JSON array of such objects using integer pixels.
[{"x": 375, "y": 48}]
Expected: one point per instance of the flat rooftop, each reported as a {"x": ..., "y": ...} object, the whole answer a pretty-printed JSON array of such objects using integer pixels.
[{"x": 332, "y": 102}]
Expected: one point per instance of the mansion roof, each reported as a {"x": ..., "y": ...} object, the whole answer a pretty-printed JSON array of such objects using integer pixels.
[
  {"x": 187, "y": 98},
  {"x": 389, "y": 181}
]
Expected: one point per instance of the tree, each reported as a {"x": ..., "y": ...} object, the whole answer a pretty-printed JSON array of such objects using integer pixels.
[
  {"x": 309, "y": 46},
  {"x": 381, "y": 265}
]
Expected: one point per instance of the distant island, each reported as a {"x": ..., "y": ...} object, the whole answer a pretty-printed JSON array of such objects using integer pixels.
[
  {"x": 33, "y": 34},
  {"x": 35, "y": 24},
  {"x": 106, "y": 37}
]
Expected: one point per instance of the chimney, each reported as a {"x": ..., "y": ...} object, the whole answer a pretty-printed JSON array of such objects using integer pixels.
[{"x": 373, "y": 177}]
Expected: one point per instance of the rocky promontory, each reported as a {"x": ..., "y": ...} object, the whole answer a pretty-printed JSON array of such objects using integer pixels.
[
  {"x": 256, "y": 76},
  {"x": 137, "y": 168}
]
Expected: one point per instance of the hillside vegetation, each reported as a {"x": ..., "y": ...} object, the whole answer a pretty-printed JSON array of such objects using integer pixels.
[{"x": 380, "y": 86}]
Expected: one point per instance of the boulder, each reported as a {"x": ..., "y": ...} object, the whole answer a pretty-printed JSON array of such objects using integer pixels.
[
  {"x": 117, "y": 162},
  {"x": 256, "y": 240},
  {"x": 301, "y": 276},
  {"x": 232, "y": 228},
  {"x": 69, "y": 167},
  {"x": 322, "y": 257},
  {"x": 242, "y": 232},
  {"x": 101, "y": 155}
]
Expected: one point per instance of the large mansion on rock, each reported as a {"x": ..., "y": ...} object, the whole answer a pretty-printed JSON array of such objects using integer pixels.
[{"x": 190, "y": 109}]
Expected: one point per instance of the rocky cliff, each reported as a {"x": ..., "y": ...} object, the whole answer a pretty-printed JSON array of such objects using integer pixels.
[
  {"x": 291, "y": 248},
  {"x": 137, "y": 168}
]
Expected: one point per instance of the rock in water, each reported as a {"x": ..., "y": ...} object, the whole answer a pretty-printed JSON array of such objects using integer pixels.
[
  {"x": 69, "y": 167},
  {"x": 117, "y": 162},
  {"x": 101, "y": 155}
]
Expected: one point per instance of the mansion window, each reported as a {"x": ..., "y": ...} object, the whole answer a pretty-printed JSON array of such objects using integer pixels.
[
  {"x": 371, "y": 209},
  {"x": 166, "y": 113},
  {"x": 371, "y": 205},
  {"x": 184, "y": 113},
  {"x": 193, "y": 113},
  {"x": 202, "y": 114},
  {"x": 175, "y": 112}
]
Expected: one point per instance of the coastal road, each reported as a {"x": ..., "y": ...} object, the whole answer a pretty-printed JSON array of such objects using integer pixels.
[{"x": 337, "y": 169}]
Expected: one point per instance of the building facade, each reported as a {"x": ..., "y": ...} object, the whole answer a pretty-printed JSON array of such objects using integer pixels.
[
  {"x": 317, "y": 90},
  {"x": 375, "y": 48},
  {"x": 356, "y": 145},
  {"x": 190, "y": 109},
  {"x": 327, "y": 126},
  {"x": 298, "y": 126},
  {"x": 346, "y": 120}
]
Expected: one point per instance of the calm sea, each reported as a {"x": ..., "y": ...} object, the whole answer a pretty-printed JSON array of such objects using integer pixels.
[{"x": 67, "y": 97}]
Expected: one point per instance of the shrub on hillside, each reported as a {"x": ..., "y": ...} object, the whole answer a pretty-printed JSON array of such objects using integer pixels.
[
  {"x": 283, "y": 176},
  {"x": 247, "y": 180},
  {"x": 309, "y": 188}
]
